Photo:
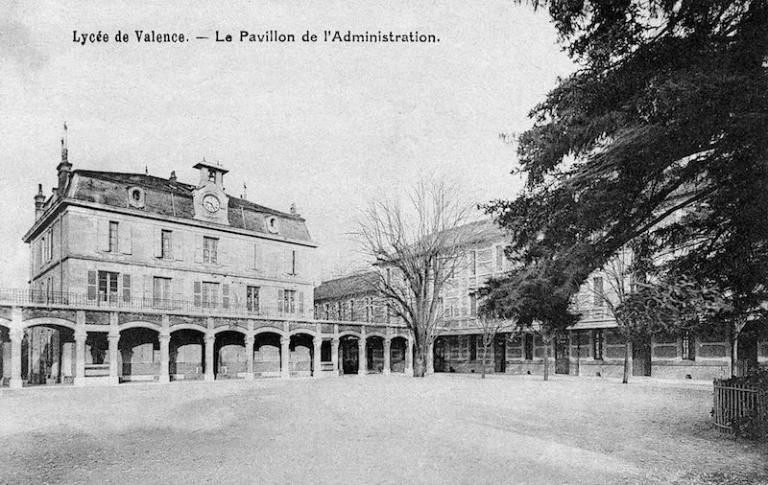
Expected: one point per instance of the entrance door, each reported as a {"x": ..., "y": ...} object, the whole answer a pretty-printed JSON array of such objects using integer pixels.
[
  {"x": 500, "y": 354},
  {"x": 348, "y": 350},
  {"x": 641, "y": 358},
  {"x": 562, "y": 361}
]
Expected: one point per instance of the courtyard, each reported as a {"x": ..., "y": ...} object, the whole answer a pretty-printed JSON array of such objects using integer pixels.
[{"x": 378, "y": 429}]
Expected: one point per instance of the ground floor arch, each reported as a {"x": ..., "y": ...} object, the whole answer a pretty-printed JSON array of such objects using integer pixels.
[
  {"x": 187, "y": 354},
  {"x": 397, "y": 358},
  {"x": 348, "y": 354},
  {"x": 48, "y": 355},
  {"x": 139, "y": 354},
  {"x": 230, "y": 355},
  {"x": 301, "y": 355},
  {"x": 267, "y": 354},
  {"x": 374, "y": 353}
]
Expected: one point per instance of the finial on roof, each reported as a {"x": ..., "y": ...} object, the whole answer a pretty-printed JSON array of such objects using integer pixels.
[
  {"x": 64, "y": 145},
  {"x": 293, "y": 209},
  {"x": 172, "y": 178},
  {"x": 245, "y": 191},
  {"x": 146, "y": 169}
]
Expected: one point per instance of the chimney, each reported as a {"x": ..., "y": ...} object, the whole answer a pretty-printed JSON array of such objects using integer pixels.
[
  {"x": 172, "y": 178},
  {"x": 64, "y": 168},
  {"x": 39, "y": 201}
]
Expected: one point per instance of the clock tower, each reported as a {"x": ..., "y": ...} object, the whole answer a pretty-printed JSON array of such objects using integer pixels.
[{"x": 210, "y": 200}]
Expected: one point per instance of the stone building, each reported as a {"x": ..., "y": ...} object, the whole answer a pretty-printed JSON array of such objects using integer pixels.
[
  {"x": 137, "y": 277},
  {"x": 592, "y": 347}
]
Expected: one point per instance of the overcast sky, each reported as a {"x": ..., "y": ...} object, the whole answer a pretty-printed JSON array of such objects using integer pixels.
[{"x": 325, "y": 126}]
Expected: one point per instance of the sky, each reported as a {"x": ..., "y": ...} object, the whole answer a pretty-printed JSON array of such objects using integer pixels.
[{"x": 325, "y": 126}]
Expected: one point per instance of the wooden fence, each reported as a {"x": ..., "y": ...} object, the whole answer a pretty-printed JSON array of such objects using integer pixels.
[{"x": 741, "y": 409}]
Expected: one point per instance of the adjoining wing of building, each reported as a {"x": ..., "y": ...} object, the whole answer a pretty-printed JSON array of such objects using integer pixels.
[{"x": 592, "y": 347}]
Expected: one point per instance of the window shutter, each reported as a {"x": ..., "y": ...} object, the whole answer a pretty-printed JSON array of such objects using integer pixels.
[
  {"x": 285, "y": 266},
  {"x": 92, "y": 285},
  {"x": 198, "y": 292},
  {"x": 148, "y": 289},
  {"x": 301, "y": 303},
  {"x": 299, "y": 270},
  {"x": 127, "y": 288},
  {"x": 280, "y": 297},
  {"x": 102, "y": 234},
  {"x": 198, "y": 248},
  {"x": 157, "y": 242},
  {"x": 225, "y": 295},
  {"x": 125, "y": 234},
  {"x": 221, "y": 255},
  {"x": 177, "y": 238}
]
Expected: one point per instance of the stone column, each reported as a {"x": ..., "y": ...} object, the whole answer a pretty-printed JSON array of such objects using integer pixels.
[
  {"x": 335, "y": 355},
  {"x": 165, "y": 358},
  {"x": 285, "y": 357},
  {"x": 362, "y": 357},
  {"x": 80, "y": 336},
  {"x": 387, "y": 356},
  {"x": 409, "y": 357},
  {"x": 249, "y": 341},
  {"x": 209, "y": 341},
  {"x": 318, "y": 341},
  {"x": 114, "y": 375},
  {"x": 16, "y": 334},
  {"x": 430, "y": 358}
]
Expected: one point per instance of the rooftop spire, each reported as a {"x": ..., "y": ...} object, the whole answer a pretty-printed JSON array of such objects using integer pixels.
[
  {"x": 245, "y": 191},
  {"x": 64, "y": 145}
]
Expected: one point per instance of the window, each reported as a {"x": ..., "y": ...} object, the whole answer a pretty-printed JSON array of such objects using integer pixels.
[
  {"x": 161, "y": 292},
  {"x": 210, "y": 249},
  {"x": 327, "y": 311},
  {"x": 368, "y": 309},
  {"x": 352, "y": 310},
  {"x": 289, "y": 301},
  {"x": 688, "y": 346},
  {"x": 597, "y": 291},
  {"x": 499, "y": 258},
  {"x": 473, "y": 266},
  {"x": 165, "y": 244},
  {"x": 252, "y": 299},
  {"x": 528, "y": 344},
  {"x": 210, "y": 294},
  {"x": 293, "y": 263},
  {"x": 598, "y": 342},
  {"x": 339, "y": 311},
  {"x": 473, "y": 347},
  {"x": 113, "y": 236},
  {"x": 473, "y": 304},
  {"x": 108, "y": 286}
]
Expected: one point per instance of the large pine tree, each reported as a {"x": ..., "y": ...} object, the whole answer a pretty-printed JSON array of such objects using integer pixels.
[{"x": 663, "y": 132}]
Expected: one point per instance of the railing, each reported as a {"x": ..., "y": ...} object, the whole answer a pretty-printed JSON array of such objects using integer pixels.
[
  {"x": 116, "y": 301},
  {"x": 740, "y": 409}
]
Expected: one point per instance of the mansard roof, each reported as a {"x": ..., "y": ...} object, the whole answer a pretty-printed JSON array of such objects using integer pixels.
[
  {"x": 346, "y": 286},
  {"x": 175, "y": 199}
]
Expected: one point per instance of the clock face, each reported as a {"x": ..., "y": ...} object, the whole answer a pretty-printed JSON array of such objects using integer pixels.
[{"x": 211, "y": 203}]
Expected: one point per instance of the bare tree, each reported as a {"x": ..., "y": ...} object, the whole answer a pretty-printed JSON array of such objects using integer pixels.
[
  {"x": 612, "y": 294},
  {"x": 416, "y": 243},
  {"x": 490, "y": 327}
]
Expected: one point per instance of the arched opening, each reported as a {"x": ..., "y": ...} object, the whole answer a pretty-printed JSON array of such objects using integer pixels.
[
  {"x": 301, "y": 357},
  {"x": 47, "y": 355},
  {"x": 397, "y": 354},
  {"x": 186, "y": 354},
  {"x": 374, "y": 353},
  {"x": 440, "y": 352},
  {"x": 348, "y": 354},
  {"x": 139, "y": 354},
  {"x": 229, "y": 355},
  {"x": 5, "y": 356},
  {"x": 266, "y": 354}
]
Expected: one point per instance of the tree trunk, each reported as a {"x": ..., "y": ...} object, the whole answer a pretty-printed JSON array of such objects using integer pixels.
[
  {"x": 734, "y": 354},
  {"x": 485, "y": 354},
  {"x": 419, "y": 361},
  {"x": 546, "y": 359},
  {"x": 627, "y": 361}
]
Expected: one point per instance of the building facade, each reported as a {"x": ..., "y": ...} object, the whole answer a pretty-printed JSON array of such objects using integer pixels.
[{"x": 137, "y": 277}]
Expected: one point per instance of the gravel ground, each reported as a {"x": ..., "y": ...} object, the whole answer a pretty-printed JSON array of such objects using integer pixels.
[{"x": 442, "y": 429}]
